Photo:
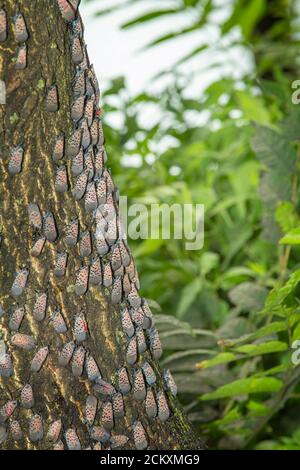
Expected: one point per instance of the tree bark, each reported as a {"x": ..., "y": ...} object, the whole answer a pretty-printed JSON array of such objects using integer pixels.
[{"x": 27, "y": 120}]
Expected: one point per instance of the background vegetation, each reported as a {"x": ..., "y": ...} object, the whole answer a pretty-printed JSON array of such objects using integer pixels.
[{"x": 229, "y": 313}]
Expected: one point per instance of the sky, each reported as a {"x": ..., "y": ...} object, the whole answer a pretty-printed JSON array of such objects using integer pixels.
[{"x": 116, "y": 52}]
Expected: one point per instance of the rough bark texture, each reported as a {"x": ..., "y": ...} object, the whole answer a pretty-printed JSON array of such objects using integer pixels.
[{"x": 25, "y": 121}]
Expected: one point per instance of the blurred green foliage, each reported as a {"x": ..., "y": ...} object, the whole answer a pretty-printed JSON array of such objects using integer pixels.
[{"x": 229, "y": 313}]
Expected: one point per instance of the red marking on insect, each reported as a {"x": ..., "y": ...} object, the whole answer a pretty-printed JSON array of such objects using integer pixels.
[
  {"x": 50, "y": 230},
  {"x": 72, "y": 233},
  {"x": 23, "y": 341},
  {"x": 16, "y": 318},
  {"x": 39, "y": 359},
  {"x": 27, "y": 398},
  {"x": 20, "y": 29},
  {"x": 16, "y": 160},
  {"x": 16, "y": 431},
  {"x": 7, "y": 410},
  {"x": 60, "y": 264},
  {"x": 80, "y": 327},
  {"x": 59, "y": 148},
  {"x": 52, "y": 101},
  {"x": 38, "y": 246},
  {"x": 54, "y": 431},
  {"x": 61, "y": 179},
  {"x": 40, "y": 306},
  {"x": 92, "y": 369},
  {"x": 91, "y": 409}
]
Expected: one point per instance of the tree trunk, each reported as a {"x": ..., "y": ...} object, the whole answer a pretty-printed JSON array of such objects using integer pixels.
[{"x": 33, "y": 180}]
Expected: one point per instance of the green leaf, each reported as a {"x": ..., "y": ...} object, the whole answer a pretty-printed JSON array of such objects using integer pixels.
[
  {"x": 152, "y": 15},
  {"x": 245, "y": 387},
  {"x": 222, "y": 358},
  {"x": 188, "y": 296},
  {"x": 264, "y": 348},
  {"x": 291, "y": 238}
]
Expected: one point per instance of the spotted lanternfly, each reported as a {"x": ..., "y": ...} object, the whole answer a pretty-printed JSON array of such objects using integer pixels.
[
  {"x": 141, "y": 341},
  {"x": 84, "y": 64},
  {"x": 93, "y": 78},
  {"x": 92, "y": 369},
  {"x": 150, "y": 404},
  {"x": 78, "y": 361},
  {"x": 107, "y": 275},
  {"x": 61, "y": 179},
  {"x": 20, "y": 29},
  {"x": 22, "y": 341},
  {"x": 139, "y": 387},
  {"x": 80, "y": 327},
  {"x": 119, "y": 273},
  {"x": 111, "y": 235},
  {"x": 3, "y": 25},
  {"x": 16, "y": 319},
  {"x": 20, "y": 282},
  {"x": 16, "y": 160},
  {"x": 123, "y": 381},
  {"x": 116, "y": 293},
  {"x": 91, "y": 409},
  {"x": 72, "y": 232},
  {"x": 72, "y": 440},
  {"x": 89, "y": 110},
  {"x": 139, "y": 436},
  {"x": 137, "y": 316},
  {"x": 89, "y": 163},
  {"x": 127, "y": 324},
  {"x": 35, "y": 217},
  {"x": 107, "y": 416},
  {"x": 52, "y": 102},
  {"x": 79, "y": 87},
  {"x": 80, "y": 185},
  {"x": 82, "y": 280},
  {"x": 59, "y": 148},
  {"x": 149, "y": 373},
  {"x": 104, "y": 388},
  {"x": 68, "y": 12},
  {"x": 50, "y": 230},
  {"x": 101, "y": 139},
  {"x": 90, "y": 199},
  {"x": 125, "y": 256},
  {"x": 60, "y": 264},
  {"x": 101, "y": 245},
  {"x": 126, "y": 284},
  {"x": 6, "y": 368},
  {"x": 131, "y": 353},
  {"x": 148, "y": 318},
  {"x": 163, "y": 408},
  {"x": 98, "y": 433},
  {"x": 40, "y": 306},
  {"x": 109, "y": 181},
  {"x": 74, "y": 143},
  {"x": 131, "y": 270},
  {"x": 76, "y": 50},
  {"x": 78, "y": 108},
  {"x": 16, "y": 431},
  {"x": 95, "y": 272},
  {"x": 101, "y": 191},
  {"x": 38, "y": 246},
  {"x": 21, "y": 61},
  {"x": 7, "y": 410},
  {"x": 134, "y": 298},
  {"x": 39, "y": 359},
  {"x": 66, "y": 354},
  {"x": 170, "y": 382},
  {"x": 86, "y": 135},
  {"x": 118, "y": 441},
  {"x": 94, "y": 137},
  {"x": 155, "y": 343},
  {"x": 54, "y": 431},
  {"x": 101, "y": 223},
  {"x": 58, "y": 321},
  {"x": 116, "y": 261},
  {"x": 27, "y": 398},
  {"x": 77, "y": 26},
  {"x": 59, "y": 446},
  {"x": 78, "y": 163},
  {"x": 85, "y": 244},
  {"x": 118, "y": 405}
]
